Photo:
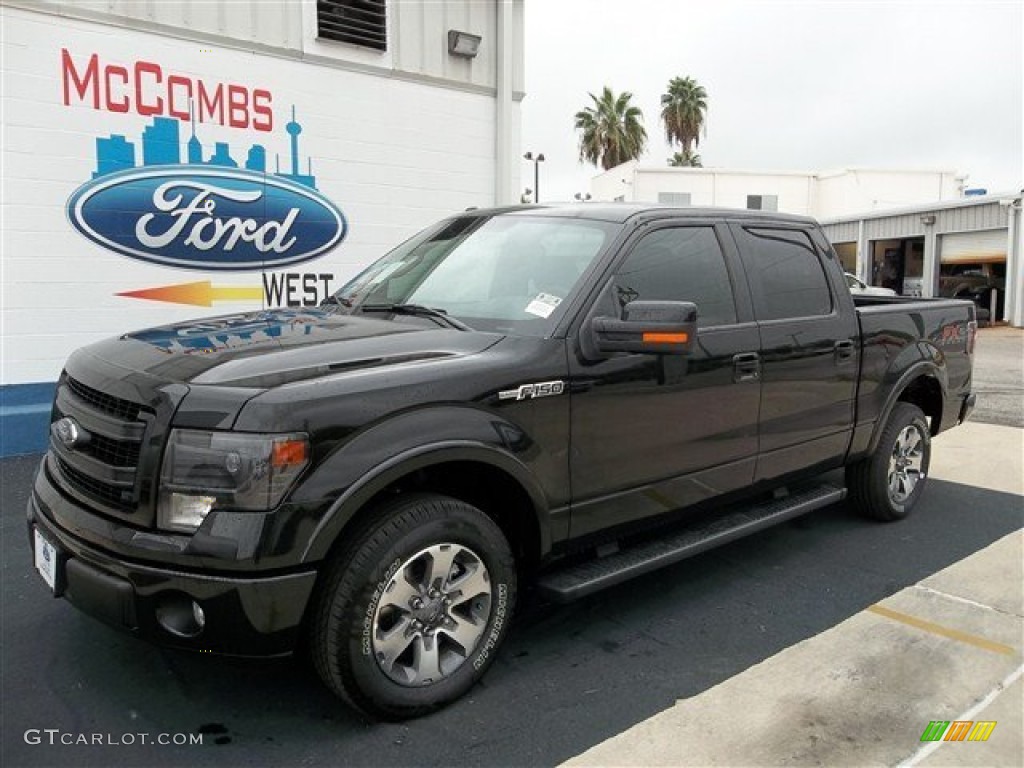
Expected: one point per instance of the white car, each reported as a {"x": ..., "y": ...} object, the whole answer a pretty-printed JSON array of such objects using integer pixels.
[{"x": 859, "y": 286}]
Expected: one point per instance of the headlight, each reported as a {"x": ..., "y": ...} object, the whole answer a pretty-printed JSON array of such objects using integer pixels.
[{"x": 227, "y": 470}]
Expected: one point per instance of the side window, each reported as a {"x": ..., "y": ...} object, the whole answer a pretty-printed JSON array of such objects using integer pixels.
[
  {"x": 785, "y": 273},
  {"x": 679, "y": 264}
]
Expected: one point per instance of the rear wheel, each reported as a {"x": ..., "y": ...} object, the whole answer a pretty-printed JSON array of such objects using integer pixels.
[
  {"x": 886, "y": 485},
  {"x": 413, "y": 611}
]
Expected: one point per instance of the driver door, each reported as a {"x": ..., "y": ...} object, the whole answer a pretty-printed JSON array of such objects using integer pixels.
[{"x": 655, "y": 432}]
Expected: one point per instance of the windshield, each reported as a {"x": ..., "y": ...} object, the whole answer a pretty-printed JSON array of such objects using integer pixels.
[{"x": 509, "y": 274}]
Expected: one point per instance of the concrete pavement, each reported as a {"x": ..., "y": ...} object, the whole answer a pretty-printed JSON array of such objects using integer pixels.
[
  {"x": 863, "y": 692},
  {"x": 999, "y": 376}
]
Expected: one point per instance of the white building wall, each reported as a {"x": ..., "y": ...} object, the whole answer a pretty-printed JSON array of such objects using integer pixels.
[
  {"x": 793, "y": 190},
  {"x": 706, "y": 186},
  {"x": 840, "y": 193},
  {"x": 615, "y": 183},
  {"x": 417, "y": 31},
  {"x": 823, "y": 195},
  {"x": 649, "y": 184},
  {"x": 271, "y": 24},
  {"x": 388, "y": 174}
]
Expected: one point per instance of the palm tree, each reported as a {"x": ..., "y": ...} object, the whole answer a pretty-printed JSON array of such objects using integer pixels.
[
  {"x": 682, "y": 110},
  {"x": 685, "y": 159},
  {"x": 612, "y": 130}
]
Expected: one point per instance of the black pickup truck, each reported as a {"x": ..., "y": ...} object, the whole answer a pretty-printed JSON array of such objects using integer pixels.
[{"x": 560, "y": 396}]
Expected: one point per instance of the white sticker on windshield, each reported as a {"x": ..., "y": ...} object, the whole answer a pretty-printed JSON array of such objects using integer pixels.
[{"x": 543, "y": 305}]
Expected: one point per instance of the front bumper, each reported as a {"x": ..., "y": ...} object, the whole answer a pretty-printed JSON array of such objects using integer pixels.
[{"x": 257, "y": 615}]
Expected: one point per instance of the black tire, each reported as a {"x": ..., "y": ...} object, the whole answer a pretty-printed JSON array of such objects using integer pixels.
[
  {"x": 358, "y": 625},
  {"x": 886, "y": 485}
]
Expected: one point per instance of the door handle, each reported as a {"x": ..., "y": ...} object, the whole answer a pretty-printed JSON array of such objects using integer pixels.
[
  {"x": 844, "y": 350},
  {"x": 746, "y": 366}
]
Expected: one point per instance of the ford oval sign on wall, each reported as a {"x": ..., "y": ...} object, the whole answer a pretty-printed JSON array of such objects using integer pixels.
[{"x": 206, "y": 218}]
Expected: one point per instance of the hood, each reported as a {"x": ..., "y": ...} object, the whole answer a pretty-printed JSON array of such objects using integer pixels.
[{"x": 274, "y": 347}]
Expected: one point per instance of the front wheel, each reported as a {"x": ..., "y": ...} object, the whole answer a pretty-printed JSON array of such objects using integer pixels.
[
  {"x": 886, "y": 485},
  {"x": 413, "y": 610}
]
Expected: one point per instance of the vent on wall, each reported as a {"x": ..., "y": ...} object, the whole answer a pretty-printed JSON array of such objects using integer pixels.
[
  {"x": 763, "y": 202},
  {"x": 674, "y": 198},
  {"x": 359, "y": 22}
]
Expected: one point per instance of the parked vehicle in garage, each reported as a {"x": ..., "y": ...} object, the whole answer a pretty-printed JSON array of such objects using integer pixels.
[
  {"x": 857, "y": 285},
  {"x": 567, "y": 396},
  {"x": 977, "y": 283}
]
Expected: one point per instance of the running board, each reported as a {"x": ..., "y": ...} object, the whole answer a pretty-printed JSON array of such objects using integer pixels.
[{"x": 572, "y": 582}]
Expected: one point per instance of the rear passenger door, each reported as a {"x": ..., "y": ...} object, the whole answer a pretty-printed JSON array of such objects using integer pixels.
[
  {"x": 809, "y": 353},
  {"x": 653, "y": 432}
]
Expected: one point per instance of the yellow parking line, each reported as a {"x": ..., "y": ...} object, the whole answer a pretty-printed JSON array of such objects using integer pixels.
[{"x": 938, "y": 629}]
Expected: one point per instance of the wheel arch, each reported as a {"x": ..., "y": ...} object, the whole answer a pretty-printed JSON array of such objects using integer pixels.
[
  {"x": 923, "y": 385},
  {"x": 478, "y": 474}
]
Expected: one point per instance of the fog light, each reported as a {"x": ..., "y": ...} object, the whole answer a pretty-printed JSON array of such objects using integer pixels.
[{"x": 180, "y": 615}]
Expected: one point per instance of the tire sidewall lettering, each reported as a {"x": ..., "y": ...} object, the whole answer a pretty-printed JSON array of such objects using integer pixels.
[
  {"x": 366, "y": 639},
  {"x": 497, "y": 625}
]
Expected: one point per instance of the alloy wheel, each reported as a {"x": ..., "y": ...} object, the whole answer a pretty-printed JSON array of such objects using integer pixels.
[
  {"x": 905, "y": 463},
  {"x": 431, "y": 615}
]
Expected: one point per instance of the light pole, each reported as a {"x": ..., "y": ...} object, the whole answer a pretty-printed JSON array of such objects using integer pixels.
[
  {"x": 536, "y": 173},
  {"x": 582, "y": 196}
]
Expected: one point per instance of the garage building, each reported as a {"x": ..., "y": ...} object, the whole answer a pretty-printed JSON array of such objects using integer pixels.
[{"x": 969, "y": 248}]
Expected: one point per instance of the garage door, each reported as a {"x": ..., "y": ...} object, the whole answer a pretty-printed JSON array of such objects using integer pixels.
[{"x": 973, "y": 247}]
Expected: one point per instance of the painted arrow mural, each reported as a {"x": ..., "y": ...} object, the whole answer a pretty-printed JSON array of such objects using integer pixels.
[{"x": 201, "y": 294}]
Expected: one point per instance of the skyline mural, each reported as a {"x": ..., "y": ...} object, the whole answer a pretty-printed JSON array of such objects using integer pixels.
[{"x": 161, "y": 145}]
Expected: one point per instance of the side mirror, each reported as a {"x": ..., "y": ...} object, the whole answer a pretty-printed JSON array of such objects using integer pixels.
[{"x": 658, "y": 327}]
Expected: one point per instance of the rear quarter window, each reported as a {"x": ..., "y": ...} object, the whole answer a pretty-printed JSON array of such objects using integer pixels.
[{"x": 785, "y": 272}]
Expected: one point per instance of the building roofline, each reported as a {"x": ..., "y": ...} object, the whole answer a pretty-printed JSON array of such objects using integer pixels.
[
  {"x": 829, "y": 172},
  {"x": 724, "y": 171},
  {"x": 941, "y": 205},
  {"x": 636, "y": 167}
]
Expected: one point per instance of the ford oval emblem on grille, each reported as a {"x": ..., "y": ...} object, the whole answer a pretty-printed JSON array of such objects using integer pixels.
[{"x": 68, "y": 432}]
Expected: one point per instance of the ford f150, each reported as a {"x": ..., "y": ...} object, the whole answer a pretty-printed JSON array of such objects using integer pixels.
[{"x": 566, "y": 396}]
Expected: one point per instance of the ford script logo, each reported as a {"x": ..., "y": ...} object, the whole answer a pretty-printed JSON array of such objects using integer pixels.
[{"x": 206, "y": 218}]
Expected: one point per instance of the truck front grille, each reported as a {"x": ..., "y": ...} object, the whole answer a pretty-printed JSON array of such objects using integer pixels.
[
  {"x": 117, "y": 453},
  {"x": 115, "y": 406},
  {"x": 101, "y": 469},
  {"x": 108, "y": 495}
]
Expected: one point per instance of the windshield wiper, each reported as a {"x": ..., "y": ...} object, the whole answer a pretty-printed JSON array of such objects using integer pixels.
[
  {"x": 418, "y": 310},
  {"x": 335, "y": 299}
]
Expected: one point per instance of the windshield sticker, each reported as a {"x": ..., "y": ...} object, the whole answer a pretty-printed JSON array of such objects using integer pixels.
[{"x": 543, "y": 305}]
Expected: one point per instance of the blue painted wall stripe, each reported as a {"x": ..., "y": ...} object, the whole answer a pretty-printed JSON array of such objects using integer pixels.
[
  {"x": 25, "y": 417},
  {"x": 18, "y": 410}
]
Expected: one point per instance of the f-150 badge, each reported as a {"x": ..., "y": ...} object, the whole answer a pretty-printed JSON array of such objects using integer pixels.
[{"x": 530, "y": 391}]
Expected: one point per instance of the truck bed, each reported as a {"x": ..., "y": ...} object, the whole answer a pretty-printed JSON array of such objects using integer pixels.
[{"x": 898, "y": 332}]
